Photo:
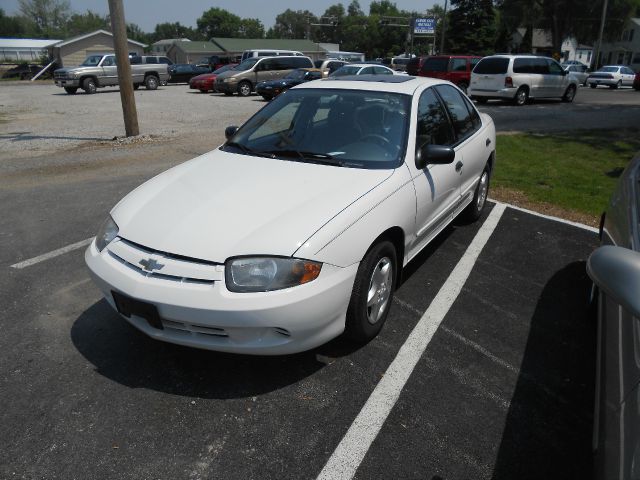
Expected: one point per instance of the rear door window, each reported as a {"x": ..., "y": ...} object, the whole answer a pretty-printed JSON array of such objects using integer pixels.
[
  {"x": 540, "y": 66},
  {"x": 458, "y": 64},
  {"x": 435, "y": 65},
  {"x": 523, "y": 65},
  {"x": 381, "y": 71},
  {"x": 492, "y": 66}
]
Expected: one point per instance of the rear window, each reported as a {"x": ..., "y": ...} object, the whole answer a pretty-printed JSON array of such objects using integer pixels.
[
  {"x": 435, "y": 65},
  {"x": 492, "y": 66}
]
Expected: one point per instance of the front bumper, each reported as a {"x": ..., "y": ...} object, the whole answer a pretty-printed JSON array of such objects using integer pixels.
[
  {"x": 609, "y": 82},
  {"x": 67, "y": 82},
  {"x": 208, "y": 316},
  {"x": 223, "y": 87}
]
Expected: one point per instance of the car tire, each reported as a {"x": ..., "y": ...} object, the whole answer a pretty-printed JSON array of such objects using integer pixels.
[
  {"x": 151, "y": 82},
  {"x": 89, "y": 86},
  {"x": 592, "y": 85},
  {"x": 522, "y": 97},
  {"x": 473, "y": 211},
  {"x": 266, "y": 98},
  {"x": 569, "y": 94},
  {"x": 228, "y": 94},
  {"x": 203, "y": 90},
  {"x": 136, "y": 86},
  {"x": 481, "y": 100},
  {"x": 244, "y": 89},
  {"x": 71, "y": 90},
  {"x": 463, "y": 86},
  {"x": 375, "y": 280}
]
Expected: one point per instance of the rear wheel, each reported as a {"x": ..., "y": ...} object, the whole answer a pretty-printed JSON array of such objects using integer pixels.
[
  {"x": 475, "y": 208},
  {"x": 203, "y": 90},
  {"x": 372, "y": 293},
  {"x": 244, "y": 89},
  {"x": 617, "y": 85},
  {"x": 481, "y": 100},
  {"x": 592, "y": 85},
  {"x": 570, "y": 94},
  {"x": 522, "y": 96},
  {"x": 151, "y": 82},
  {"x": 136, "y": 86},
  {"x": 71, "y": 90},
  {"x": 89, "y": 86}
]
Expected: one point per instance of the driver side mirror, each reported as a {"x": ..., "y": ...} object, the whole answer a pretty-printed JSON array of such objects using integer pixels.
[
  {"x": 434, "y": 154},
  {"x": 230, "y": 131}
]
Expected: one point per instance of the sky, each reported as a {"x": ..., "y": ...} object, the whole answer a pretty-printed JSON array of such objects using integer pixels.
[{"x": 146, "y": 14}]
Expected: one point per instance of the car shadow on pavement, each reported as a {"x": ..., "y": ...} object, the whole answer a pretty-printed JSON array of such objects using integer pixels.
[
  {"x": 127, "y": 356},
  {"x": 548, "y": 426}
]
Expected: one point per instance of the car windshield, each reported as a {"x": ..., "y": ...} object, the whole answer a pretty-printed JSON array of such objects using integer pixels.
[
  {"x": 296, "y": 74},
  {"x": 345, "y": 128},
  {"x": 609, "y": 69},
  {"x": 91, "y": 61},
  {"x": 247, "y": 64},
  {"x": 346, "y": 70}
]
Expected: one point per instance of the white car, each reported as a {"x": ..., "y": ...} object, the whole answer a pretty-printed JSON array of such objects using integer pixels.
[
  {"x": 362, "y": 69},
  {"x": 298, "y": 227},
  {"x": 612, "y": 76}
]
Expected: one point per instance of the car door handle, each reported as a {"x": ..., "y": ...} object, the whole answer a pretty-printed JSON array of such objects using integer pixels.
[
  {"x": 488, "y": 142},
  {"x": 459, "y": 166}
]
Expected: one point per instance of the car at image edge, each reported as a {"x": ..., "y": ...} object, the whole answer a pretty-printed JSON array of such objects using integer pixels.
[
  {"x": 297, "y": 228},
  {"x": 612, "y": 76}
]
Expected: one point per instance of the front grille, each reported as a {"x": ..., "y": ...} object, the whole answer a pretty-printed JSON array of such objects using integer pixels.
[
  {"x": 194, "y": 329},
  {"x": 59, "y": 76},
  {"x": 163, "y": 265}
]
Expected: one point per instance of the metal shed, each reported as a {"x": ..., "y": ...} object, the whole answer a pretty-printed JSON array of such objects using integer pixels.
[{"x": 18, "y": 50}]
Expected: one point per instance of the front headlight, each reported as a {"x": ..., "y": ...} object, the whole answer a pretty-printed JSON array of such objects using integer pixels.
[
  {"x": 230, "y": 80},
  {"x": 264, "y": 274},
  {"x": 106, "y": 233}
]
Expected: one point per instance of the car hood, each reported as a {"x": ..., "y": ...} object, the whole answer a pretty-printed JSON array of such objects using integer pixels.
[
  {"x": 224, "y": 204},
  {"x": 73, "y": 69}
]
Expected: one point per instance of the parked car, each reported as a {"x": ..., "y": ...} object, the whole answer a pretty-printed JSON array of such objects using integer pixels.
[
  {"x": 214, "y": 62},
  {"x": 612, "y": 76},
  {"x": 636, "y": 82},
  {"x": 615, "y": 271},
  {"x": 205, "y": 82},
  {"x": 519, "y": 78},
  {"x": 399, "y": 64},
  {"x": 244, "y": 78},
  {"x": 362, "y": 69},
  {"x": 23, "y": 71},
  {"x": 581, "y": 72},
  {"x": 273, "y": 88},
  {"x": 183, "y": 72},
  {"x": 455, "y": 68},
  {"x": 329, "y": 65},
  {"x": 320, "y": 200},
  {"x": 414, "y": 65},
  {"x": 269, "y": 52}
]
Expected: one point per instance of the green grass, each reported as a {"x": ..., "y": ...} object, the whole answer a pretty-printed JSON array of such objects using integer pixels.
[{"x": 574, "y": 171}]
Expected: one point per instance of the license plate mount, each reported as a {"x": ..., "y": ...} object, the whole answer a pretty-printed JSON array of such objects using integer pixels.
[{"x": 128, "y": 306}]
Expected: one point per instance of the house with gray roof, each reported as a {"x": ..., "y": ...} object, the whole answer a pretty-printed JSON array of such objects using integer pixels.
[{"x": 74, "y": 50}]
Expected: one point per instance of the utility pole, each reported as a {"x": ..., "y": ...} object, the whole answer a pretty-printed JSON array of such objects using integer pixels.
[
  {"x": 119, "y": 29},
  {"x": 599, "y": 48},
  {"x": 444, "y": 28}
]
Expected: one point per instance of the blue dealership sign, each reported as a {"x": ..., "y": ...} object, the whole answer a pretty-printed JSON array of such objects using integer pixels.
[{"x": 425, "y": 26}]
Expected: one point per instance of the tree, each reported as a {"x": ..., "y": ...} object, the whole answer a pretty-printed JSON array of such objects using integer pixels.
[
  {"x": 251, "y": 28},
  {"x": 471, "y": 27},
  {"x": 217, "y": 22},
  {"x": 354, "y": 10},
  {"x": 80, "y": 23},
  {"x": 12, "y": 26},
  {"x": 49, "y": 16},
  {"x": 292, "y": 24},
  {"x": 134, "y": 32},
  {"x": 173, "y": 30}
]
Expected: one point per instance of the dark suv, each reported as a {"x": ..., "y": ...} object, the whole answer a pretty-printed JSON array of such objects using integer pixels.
[{"x": 455, "y": 68}]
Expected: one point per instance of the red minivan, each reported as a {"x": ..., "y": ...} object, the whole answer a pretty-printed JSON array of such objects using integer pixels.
[{"x": 455, "y": 68}]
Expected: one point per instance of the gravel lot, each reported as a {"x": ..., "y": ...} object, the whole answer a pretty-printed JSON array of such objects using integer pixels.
[{"x": 41, "y": 118}]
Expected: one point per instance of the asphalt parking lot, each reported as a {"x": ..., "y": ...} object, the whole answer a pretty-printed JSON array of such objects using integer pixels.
[{"x": 498, "y": 356}]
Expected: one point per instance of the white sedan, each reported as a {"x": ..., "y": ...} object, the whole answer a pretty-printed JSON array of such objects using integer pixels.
[
  {"x": 613, "y": 76},
  {"x": 362, "y": 69},
  {"x": 298, "y": 227}
]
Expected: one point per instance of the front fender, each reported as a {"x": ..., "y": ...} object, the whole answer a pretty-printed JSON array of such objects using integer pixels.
[{"x": 346, "y": 238}]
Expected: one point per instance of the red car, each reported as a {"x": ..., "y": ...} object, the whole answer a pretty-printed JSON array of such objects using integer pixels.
[
  {"x": 636, "y": 82},
  {"x": 206, "y": 81},
  {"x": 455, "y": 68}
]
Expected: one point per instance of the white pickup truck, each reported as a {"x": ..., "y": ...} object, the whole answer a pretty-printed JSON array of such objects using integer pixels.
[{"x": 101, "y": 71}]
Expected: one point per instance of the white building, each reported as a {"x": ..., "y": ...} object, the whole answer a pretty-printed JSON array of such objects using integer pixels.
[
  {"x": 18, "y": 50},
  {"x": 625, "y": 50}
]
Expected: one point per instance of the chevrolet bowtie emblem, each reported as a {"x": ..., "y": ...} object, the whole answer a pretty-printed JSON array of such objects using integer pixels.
[{"x": 150, "y": 265}]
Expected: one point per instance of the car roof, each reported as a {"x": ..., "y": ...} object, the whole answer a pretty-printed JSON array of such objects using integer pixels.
[{"x": 405, "y": 84}]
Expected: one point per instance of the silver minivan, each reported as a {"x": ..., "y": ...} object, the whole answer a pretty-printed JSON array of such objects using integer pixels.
[
  {"x": 245, "y": 76},
  {"x": 519, "y": 78}
]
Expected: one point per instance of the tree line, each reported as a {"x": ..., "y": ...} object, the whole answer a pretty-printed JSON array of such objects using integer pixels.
[{"x": 473, "y": 26}]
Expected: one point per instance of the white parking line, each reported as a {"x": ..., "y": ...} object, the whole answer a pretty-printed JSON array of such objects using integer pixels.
[
  {"x": 548, "y": 217},
  {"x": 347, "y": 457},
  {"x": 53, "y": 254}
]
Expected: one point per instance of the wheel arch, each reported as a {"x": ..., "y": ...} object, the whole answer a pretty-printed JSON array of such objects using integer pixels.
[
  {"x": 93, "y": 77},
  {"x": 396, "y": 236}
]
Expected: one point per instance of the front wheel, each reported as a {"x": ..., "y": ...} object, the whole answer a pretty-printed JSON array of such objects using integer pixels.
[
  {"x": 89, "y": 86},
  {"x": 372, "y": 293},
  {"x": 570, "y": 94},
  {"x": 475, "y": 208},
  {"x": 592, "y": 85},
  {"x": 244, "y": 89},
  {"x": 151, "y": 82}
]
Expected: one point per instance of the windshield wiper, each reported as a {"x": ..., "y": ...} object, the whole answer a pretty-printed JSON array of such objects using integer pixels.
[
  {"x": 246, "y": 149},
  {"x": 312, "y": 157}
]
